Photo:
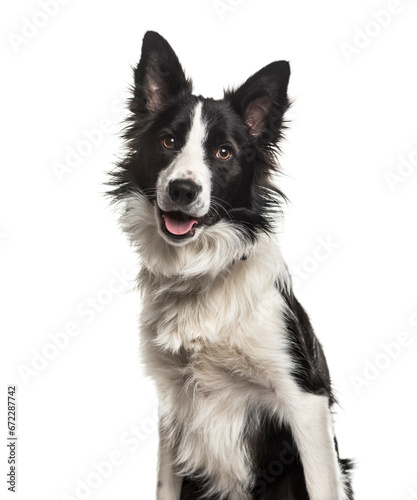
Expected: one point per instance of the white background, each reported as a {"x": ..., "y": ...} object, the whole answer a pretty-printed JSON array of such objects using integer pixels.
[{"x": 353, "y": 120}]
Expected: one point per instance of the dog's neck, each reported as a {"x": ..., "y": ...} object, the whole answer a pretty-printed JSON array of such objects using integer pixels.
[
  {"x": 186, "y": 283},
  {"x": 191, "y": 311},
  {"x": 192, "y": 273}
]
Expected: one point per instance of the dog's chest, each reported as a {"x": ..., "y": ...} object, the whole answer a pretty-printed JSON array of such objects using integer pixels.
[
  {"x": 214, "y": 358},
  {"x": 213, "y": 372},
  {"x": 236, "y": 310},
  {"x": 217, "y": 345},
  {"x": 204, "y": 405}
]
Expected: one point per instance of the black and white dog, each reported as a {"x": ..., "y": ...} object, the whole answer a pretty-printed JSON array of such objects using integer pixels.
[{"x": 243, "y": 386}]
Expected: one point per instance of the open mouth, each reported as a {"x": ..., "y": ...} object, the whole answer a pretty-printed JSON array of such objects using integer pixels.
[{"x": 179, "y": 225}]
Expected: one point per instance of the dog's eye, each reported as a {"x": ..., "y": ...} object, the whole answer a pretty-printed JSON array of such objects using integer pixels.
[
  {"x": 223, "y": 153},
  {"x": 169, "y": 142}
]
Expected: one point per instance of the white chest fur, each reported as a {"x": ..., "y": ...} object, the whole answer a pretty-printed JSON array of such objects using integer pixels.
[
  {"x": 214, "y": 354},
  {"x": 217, "y": 349}
]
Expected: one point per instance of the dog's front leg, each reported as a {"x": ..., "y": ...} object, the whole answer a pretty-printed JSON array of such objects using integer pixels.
[
  {"x": 311, "y": 424},
  {"x": 169, "y": 483}
]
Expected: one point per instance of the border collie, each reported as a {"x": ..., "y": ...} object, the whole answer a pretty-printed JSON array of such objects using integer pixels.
[{"x": 244, "y": 390}]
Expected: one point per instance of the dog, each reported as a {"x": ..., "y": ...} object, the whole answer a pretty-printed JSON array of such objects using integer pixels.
[{"x": 245, "y": 397}]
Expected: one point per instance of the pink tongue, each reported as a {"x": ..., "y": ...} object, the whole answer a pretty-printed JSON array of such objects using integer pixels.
[{"x": 178, "y": 226}]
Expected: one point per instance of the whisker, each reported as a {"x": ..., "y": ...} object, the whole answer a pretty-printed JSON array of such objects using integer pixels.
[
  {"x": 220, "y": 201},
  {"x": 217, "y": 205}
]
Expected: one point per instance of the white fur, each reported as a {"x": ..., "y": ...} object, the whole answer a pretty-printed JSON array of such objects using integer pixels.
[
  {"x": 169, "y": 483},
  {"x": 213, "y": 339},
  {"x": 311, "y": 423},
  {"x": 209, "y": 252},
  {"x": 188, "y": 164}
]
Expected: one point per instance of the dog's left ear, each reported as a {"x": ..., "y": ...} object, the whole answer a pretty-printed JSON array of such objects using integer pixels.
[
  {"x": 158, "y": 76},
  {"x": 262, "y": 100}
]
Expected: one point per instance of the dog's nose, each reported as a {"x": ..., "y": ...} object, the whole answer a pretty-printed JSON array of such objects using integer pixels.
[{"x": 183, "y": 191}]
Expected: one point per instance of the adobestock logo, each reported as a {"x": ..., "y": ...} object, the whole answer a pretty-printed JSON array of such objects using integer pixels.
[
  {"x": 406, "y": 167},
  {"x": 85, "y": 487},
  {"x": 223, "y": 7},
  {"x": 88, "y": 310},
  {"x": 3, "y": 238},
  {"x": 31, "y": 27},
  {"x": 323, "y": 250},
  {"x": 76, "y": 154},
  {"x": 380, "y": 362},
  {"x": 100, "y": 471},
  {"x": 413, "y": 494},
  {"x": 371, "y": 29}
]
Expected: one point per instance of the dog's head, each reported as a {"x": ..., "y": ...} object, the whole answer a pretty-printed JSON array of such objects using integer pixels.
[{"x": 200, "y": 161}]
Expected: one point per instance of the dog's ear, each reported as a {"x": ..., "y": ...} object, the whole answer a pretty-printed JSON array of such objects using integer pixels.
[
  {"x": 262, "y": 100},
  {"x": 158, "y": 76}
]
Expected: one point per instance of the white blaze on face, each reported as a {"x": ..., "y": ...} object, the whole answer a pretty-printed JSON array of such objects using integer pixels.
[{"x": 189, "y": 164}]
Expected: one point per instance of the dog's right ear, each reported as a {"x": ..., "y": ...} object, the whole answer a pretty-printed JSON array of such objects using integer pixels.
[{"x": 158, "y": 76}]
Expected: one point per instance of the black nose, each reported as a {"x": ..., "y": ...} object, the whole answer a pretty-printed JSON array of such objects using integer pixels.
[{"x": 183, "y": 191}]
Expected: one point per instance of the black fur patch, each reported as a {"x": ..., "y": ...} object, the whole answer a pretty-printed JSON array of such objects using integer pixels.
[
  {"x": 276, "y": 461},
  {"x": 193, "y": 489},
  {"x": 312, "y": 373}
]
